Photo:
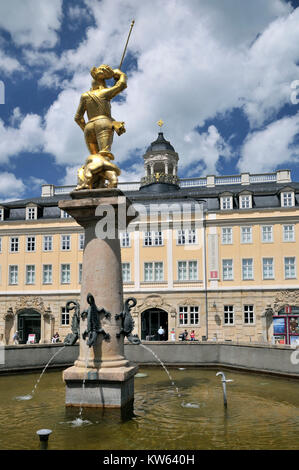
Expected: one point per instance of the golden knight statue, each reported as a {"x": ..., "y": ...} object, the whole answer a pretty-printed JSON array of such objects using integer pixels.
[{"x": 98, "y": 170}]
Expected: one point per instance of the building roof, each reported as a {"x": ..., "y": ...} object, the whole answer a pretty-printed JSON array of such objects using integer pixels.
[{"x": 160, "y": 144}]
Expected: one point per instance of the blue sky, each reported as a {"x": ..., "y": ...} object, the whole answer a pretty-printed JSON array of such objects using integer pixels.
[{"x": 219, "y": 73}]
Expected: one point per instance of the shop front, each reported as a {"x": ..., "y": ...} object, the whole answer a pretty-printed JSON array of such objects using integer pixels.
[{"x": 286, "y": 326}]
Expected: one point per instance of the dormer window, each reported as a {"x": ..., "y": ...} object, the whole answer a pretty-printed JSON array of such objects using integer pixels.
[
  {"x": 31, "y": 213},
  {"x": 287, "y": 198},
  {"x": 245, "y": 201},
  {"x": 226, "y": 202}
]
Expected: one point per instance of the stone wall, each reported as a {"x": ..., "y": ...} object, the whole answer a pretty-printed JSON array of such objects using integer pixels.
[{"x": 254, "y": 357}]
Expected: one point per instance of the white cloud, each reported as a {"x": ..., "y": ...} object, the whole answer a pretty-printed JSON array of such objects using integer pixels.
[
  {"x": 28, "y": 136},
  {"x": 183, "y": 78},
  {"x": 208, "y": 147},
  {"x": 70, "y": 177},
  {"x": 132, "y": 174},
  {"x": 8, "y": 65},
  {"x": 275, "y": 145},
  {"x": 196, "y": 60},
  {"x": 31, "y": 22},
  {"x": 10, "y": 187}
]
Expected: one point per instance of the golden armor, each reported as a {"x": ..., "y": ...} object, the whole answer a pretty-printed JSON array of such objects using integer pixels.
[{"x": 99, "y": 129}]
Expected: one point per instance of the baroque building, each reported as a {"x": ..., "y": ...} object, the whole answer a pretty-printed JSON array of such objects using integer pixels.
[{"x": 215, "y": 254}]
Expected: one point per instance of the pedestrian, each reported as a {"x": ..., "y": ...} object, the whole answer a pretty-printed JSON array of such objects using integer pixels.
[
  {"x": 161, "y": 333},
  {"x": 192, "y": 335},
  {"x": 185, "y": 335},
  {"x": 16, "y": 338}
]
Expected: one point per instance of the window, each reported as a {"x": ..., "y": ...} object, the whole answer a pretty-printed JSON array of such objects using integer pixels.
[
  {"x": 47, "y": 274},
  {"x": 65, "y": 274},
  {"x": 226, "y": 202},
  {"x": 153, "y": 271},
  {"x": 65, "y": 316},
  {"x": 287, "y": 199},
  {"x": 30, "y": 244},
  {"x": 245, "y": 202},
  {"x": 186, "y": 237},
  {"x": 228, "y": 314},
  {"x": 247, "y": 269},
  {"x": 81, "y": 241},
  {"x": 13, "y": 274},
  {"x": 246, "y": 234},
  {"x": 31, "y": 213},
  {"x": 183, "y": 315},
  {"x": 1, "y": 214},
  {"x": 48, "y": 243},
  {"x": 290, "y": 267},
  {"x": 268, "y": 268},
  {"x": 267, "y": 233},
  {"x": 288, "y": 233},
  {"x": 248, "y": 314},
  {"x": 189, "y": 315},
  {"x": 153, "y": 239},
  {"x": 126, "y": 271},
  {"x": 187, "y": 271},
  {"x": 30, "y": 274},
  {"x": 80, "y": 273},
  {"x": 14, "y": 244},
  {"x": 227, "y": 269},
  {"x": 64, "y": 214},
  {"x": 148, "y": 239},
  {"x": 194, "y": 315},
  {"x": 226, "y": 235},
  {"x": 124, "y": 239},
  {"x": 65, "y": 242}
]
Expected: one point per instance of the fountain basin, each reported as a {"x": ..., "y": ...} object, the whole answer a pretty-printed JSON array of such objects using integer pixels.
[{"x": 262, "y": 413}]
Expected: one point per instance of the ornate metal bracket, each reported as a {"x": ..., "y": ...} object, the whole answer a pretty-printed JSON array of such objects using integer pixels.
[
  {"x": 72, "y": 337},
  {"x": 127, "y": 325}
]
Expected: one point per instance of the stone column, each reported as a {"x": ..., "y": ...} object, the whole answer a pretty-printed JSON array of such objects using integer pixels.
[{"x": 110, "y": 376}]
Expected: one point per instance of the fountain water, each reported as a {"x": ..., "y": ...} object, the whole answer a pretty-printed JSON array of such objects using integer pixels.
[
  {"x": 30, "y": 396},
  {"x": 164, "y": 367},
  {"x": 79, "y": 420}
]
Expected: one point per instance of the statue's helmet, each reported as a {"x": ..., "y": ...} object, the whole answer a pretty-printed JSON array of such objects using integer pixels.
[{"x": 103, "y": 71}]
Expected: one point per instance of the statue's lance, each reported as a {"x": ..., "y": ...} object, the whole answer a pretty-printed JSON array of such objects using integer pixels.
[{"x": 125, "y": 49}]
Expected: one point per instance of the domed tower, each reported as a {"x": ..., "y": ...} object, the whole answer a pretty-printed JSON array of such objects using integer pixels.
[{"x": 161, "y": 165}]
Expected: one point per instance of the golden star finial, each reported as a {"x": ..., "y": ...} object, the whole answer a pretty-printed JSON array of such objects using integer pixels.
[{"x": 160, "y": 123}]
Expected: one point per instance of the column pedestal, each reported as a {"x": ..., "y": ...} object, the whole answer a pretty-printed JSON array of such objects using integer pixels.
[{"x": 101, "y": 376}]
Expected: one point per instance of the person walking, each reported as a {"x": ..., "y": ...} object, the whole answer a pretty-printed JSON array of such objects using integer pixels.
[
  {"x": 192, "y": 335},
  {"x": 16, "y": 338}
]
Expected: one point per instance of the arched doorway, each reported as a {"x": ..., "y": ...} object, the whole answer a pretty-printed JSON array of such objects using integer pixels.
[
  {"x": 151, "y": 320},
  {"x": 29, "y": 322}
]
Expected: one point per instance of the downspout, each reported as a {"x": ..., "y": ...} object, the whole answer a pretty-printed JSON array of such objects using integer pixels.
[{"x": 205, "y": 273}]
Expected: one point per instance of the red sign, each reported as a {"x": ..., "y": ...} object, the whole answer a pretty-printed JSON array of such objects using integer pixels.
[
  {"x": 288, "y": 309},
  {"x": 213, "y": 274}
]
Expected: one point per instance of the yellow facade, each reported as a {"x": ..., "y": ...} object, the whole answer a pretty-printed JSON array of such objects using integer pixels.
[{"x": 179, "y": 281}]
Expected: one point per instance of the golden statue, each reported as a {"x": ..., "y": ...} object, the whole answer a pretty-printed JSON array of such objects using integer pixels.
[{"x": 99, "y": 129}]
